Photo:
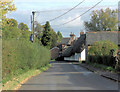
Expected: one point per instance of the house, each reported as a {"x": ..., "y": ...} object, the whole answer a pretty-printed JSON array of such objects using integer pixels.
[
  {"x": 54, "y": 52},
  {"x": 76, "y": 49},
  {"x": 65, "y": 43},
  {"x": 76, "y": 52},
  {"x": 79, "y": 50}
]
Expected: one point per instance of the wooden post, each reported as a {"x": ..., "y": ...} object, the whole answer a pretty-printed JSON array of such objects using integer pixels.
[
  {"x": 33, "y": 26},
  {"x": 118, "y": 42},
  {"x": 119, "y": 16}
]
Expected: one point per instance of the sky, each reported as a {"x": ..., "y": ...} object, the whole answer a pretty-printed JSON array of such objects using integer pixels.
[{"x": 49, "y": 9}]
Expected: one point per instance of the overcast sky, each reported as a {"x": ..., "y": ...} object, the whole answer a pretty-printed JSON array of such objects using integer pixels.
[{"x": 49, "y": 9}]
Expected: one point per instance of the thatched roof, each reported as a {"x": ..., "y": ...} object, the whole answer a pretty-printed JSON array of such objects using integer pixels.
[
  {"x": 67, "y": 52},
  {"x": 77, "y": 47},
  {"x": 65, "y": 40},
  {"x": 112, "y": 36}
]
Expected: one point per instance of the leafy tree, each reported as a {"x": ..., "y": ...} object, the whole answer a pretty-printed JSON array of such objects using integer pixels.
[
  {"x": 6, "y": 7},
  {"x": 102, "y": 20},
  {"x": 11, "y": 33},
  {"x": 39, "y": 31},
  {"x": 59, "y": 36},
  {"x": 12, "y": 23},
  {"x": 54, "y": 38},
  {"x": 24, "y": 30},
  {"x": 46, "y": 38},
  {"x": 23, "y": 26}
]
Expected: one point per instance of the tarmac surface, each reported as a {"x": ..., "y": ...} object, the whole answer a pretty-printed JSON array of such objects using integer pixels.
[{"x": 69, "y": 76}]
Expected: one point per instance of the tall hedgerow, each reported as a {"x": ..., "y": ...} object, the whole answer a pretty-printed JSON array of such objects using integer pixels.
[
  {"x": 20, "y": 56},
  {"x": 103, "y": 52}
]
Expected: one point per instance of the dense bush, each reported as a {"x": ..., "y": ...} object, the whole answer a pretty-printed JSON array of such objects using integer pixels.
[
  {"x": 103, "y": 52},
  {"x": 20, "y": 56}
]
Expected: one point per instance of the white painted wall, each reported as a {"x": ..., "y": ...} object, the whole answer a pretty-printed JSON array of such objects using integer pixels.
[
  {"x": 83, "y": 55},
  {"x": 76, "y": 57}
]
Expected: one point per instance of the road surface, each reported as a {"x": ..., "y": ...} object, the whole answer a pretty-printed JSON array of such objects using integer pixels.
[{"x": 68, "y": 76}]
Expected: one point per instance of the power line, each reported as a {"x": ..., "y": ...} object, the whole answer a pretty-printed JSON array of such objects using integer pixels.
[
  {"x": 65, "y": 12},
  {"x": 43, "y": 11},
  {"x": 80, "y": 15}
]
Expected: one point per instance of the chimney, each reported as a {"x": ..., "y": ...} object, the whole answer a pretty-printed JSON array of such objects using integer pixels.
[
  {"x": 81, "y": 33},
  {"x": 72, "y": 35}
]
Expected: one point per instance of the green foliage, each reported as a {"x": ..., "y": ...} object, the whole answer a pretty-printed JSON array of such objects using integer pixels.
[
  {"x": 100, "y": 52},
  {"x": 11, "y": 33},
  {"x": 6, "y": 7},
  {"x": 23, "y": 26},
  {"x": 50, "y": 38},
  {"x": 20, "y": 56},
  {"x": 102, "y": 67},
  {"x": 103, "y": 20},
  {"x": 59, "y": 36},
  {"x": 39, "y": 31},
  {"x": 24, "y": 31},
  {"x": 11, "y": 23},
  {"x": 102, "y": 48},
  {"x": 54, "y": 38},
  {"x": 46, "y": 38}
]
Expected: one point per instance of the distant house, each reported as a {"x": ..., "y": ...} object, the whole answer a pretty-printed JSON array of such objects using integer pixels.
[
  {"x": 76, "y": 49},
  {"x": 54, "y": 52},
  {"x": 66, "y": 42},
  {"x": 76, "y": 52}
]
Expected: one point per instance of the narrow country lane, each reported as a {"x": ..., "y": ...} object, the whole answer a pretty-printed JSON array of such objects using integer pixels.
[{"x": 68, "y": 76}]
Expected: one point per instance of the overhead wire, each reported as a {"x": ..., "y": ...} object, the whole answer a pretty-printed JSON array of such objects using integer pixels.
[
  {"x": 64, "y": 13},
  {"x": 81, "y": 14}
]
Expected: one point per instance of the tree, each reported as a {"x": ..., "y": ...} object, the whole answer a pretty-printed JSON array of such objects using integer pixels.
[
  {"x": 23, "y": 26},
  {"x": 6, "y": 7},
  {"x": 39, "y": 31},
  {"x": 54, "y": 38},
  {"x": 46, "y": 38},
  {"x": 11, "y": 33},
  {"x": 102, "y": 20},
  {"x": 59, "y": 37},
  {"x": 24, "y": 30},
  {"x": 12, "y": 23}
]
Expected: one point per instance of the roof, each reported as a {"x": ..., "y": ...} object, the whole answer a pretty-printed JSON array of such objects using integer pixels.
[
  {"x": 113, "y": 36},
  {"x": 77, "y": 47},
  {"x": 65, "y": 40},
  {"x": 67, "y": 52}
]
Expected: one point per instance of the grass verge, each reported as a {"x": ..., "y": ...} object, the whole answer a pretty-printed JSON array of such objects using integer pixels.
[
  {"x": 102, "y": 67},
  {"x": 16, "y": 82}
]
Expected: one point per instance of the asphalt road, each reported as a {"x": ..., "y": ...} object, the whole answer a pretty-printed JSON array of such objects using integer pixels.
[{"x": 68, "y": 76}]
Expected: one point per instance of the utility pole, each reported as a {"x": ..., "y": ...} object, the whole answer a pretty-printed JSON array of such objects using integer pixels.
[
  {"x": 119, "y": 16},
  {"x": 118, "y": 42},
  {"x": 33, "y": 26}
]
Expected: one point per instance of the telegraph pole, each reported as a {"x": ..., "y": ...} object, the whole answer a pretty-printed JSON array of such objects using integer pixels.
[
  {"x": 119, "y": 16},
  {"x": 118, "y": 41},
  {"x": 33, "y": 26}
]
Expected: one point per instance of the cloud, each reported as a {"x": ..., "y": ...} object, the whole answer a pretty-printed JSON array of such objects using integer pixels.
[{"x": 75, "y": 23}]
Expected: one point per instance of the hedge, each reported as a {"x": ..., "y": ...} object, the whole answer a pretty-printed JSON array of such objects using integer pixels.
[
  {"x": 19, "y": 56},
  {"x": 103, "y": 52}
]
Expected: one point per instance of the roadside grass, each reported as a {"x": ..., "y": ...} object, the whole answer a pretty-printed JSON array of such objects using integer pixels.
[
  {"x": 102, "y": 67},
  {"x": 53, "y": 60},
  {"x": 16, "y": 82}
]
